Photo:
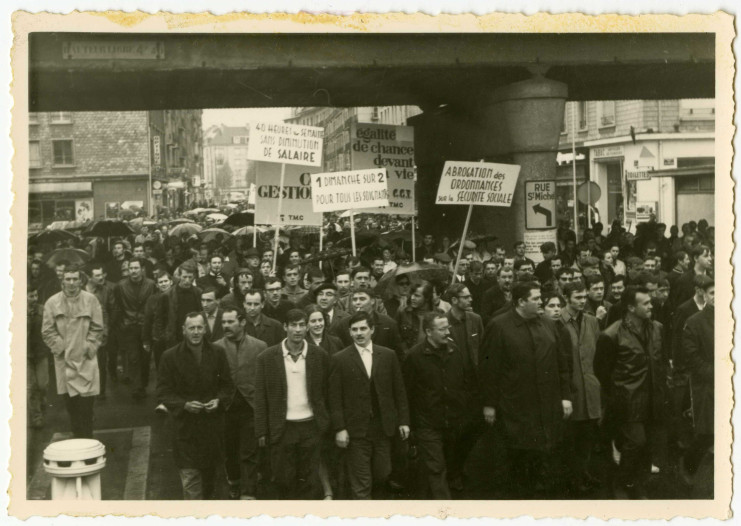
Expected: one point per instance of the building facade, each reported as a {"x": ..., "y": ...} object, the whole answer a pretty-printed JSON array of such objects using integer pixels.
[
  {"x": 337, "y": 121},
  {"x": 649, "y": 158},
  {"x": 86, "y": 166},
  {"x": 227, "y": 172}
]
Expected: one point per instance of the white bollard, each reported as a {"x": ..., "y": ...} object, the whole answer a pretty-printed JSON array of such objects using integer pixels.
[{"x": 75, "y": 467}]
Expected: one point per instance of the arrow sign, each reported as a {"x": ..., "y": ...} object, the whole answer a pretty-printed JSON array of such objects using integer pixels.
[
  {"x": 538, "y": 209},
  {"x": 540, "y": 205}
]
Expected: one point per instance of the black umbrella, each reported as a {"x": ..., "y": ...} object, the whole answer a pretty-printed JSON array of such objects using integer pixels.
[
  {"x": 327, "y": 255},
  {"x": 362, "y": 238},
  {"x": 50, "y": 236},
  {"x": 240, "y": 219},
  {"x": 415, "y": 271},
  {"x": 475, "y": 239},
  {"x": 108, "y": 228}
]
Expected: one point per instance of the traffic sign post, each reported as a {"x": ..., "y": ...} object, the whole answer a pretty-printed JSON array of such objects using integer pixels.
[{"x": 540, "y": 205}]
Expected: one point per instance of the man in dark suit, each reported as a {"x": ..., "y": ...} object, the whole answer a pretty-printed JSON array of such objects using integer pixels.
[
  {"x": 291, "y": 408},
  {"x": 368, "y": 406},
  {"x": 386, "y": 331},
  {"x": 215, "y": 277},
  {"x": 496, "y": 297},
  {"x": 212, "y": 314},
  {"x": 466, "y": 327},
  {"x": 325, "y": 296},
  {"x": 239, "y": 437},
  {"x": 258, "y": 325},
  {"x": 194, "y": 383}
]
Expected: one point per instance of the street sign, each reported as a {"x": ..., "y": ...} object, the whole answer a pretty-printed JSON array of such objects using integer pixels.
[
  {"x": 591, "y": 193},
  {"x": 349, "y": 190},
  {"x": 637, "y": 176},
  {"x": 471, "y": 183},
  {"x": 540, "y": 205},
  {"x": 278, "y": 142}
]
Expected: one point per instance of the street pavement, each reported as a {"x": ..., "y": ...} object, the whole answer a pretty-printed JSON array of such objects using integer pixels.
[{"x": 140, "y": 463}]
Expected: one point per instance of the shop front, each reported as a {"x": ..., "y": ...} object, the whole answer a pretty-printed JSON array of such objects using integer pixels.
[{"x": 59, "y": 201}]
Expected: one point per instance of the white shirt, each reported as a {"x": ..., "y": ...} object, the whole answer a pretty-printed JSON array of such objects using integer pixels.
[
  {"x": 297, "y": 396},
  {"x": 366, "y": 354}
]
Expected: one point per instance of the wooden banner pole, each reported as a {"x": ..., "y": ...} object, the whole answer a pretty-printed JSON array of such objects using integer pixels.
[
  {"x": 463, "y": 241},
  {"x": 321, "y": 235},
  {"x": 414, "y": 243},
  {"x": 280, "y": 210},
  {"x": 352, "y": 233}
]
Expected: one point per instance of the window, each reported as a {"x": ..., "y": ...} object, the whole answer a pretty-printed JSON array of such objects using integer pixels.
[
  {"x": 63, "y": 152},
  {"x": 33, "y": 118},
  {"x": 581, "y": 115},
  {"x": 606, "y": 113},
  {"x": 61, "y": 117},
  {"x": 700, "y": 184},
  {"x": 34, "y": 154},
  {"x": 563, "y": 120}
]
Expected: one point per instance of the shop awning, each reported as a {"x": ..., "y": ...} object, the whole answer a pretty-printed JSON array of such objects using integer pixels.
[
  {"x": 60, "y": 188},
  {"x": 689, "y": 171}
]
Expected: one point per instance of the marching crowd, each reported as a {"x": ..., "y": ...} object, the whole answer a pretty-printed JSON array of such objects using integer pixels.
[{"x": 358, "y": 377}]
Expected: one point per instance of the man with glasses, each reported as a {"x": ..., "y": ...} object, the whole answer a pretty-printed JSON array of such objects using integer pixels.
[
  {"x": 325, "y": 297},
  {"x": 276, "y": 306},
  {"x": 399, "y": 300}
]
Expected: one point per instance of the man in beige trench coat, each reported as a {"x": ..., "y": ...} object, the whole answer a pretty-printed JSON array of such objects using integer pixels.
[{"x": 73, "y": 330}]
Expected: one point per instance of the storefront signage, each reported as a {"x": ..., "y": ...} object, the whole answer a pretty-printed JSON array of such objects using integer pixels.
[
  {"x": 297, "y": 208},
  {"x": 637, "y": 176},
  {"x": 123, "y": 49},
  {"x": 645, "y": 210},
  {"x": 157, "y": 158},
  {"x": 534, "y": 238},
  {"x": 351, "y": 190},
  {"x": 390, "y": 147},
  {"x": 607, "y": 151},
  {"x": 471, "y": 183},
  {"x": 285, "y": 143}
]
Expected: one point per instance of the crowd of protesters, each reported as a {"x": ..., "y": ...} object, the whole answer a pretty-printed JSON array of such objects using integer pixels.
[{"x": 312, "y": 381}]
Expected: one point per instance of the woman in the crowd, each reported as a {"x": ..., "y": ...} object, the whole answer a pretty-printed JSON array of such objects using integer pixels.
[
  {"x": 409, "y": 319},
  {"x": 318, "y": 333},
  {"x": 438, "y": 303},
  {"x": 319, "y": 336},
  {"x": 388, "y": 260}
]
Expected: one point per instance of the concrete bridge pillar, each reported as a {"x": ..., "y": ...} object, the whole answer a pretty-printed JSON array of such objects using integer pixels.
[{"x": 519, "y": 123}]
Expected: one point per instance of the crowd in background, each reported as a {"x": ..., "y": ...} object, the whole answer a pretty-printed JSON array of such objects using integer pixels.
[{"x": 335, "y": 376}]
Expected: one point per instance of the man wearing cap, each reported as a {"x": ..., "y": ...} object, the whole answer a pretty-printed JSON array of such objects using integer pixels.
[
  {"x": 325, "y": 296},
  {"x": 252, "y": 259}
]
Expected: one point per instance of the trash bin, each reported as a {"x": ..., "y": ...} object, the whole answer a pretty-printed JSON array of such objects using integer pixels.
[{"x": 75, "y": 467}]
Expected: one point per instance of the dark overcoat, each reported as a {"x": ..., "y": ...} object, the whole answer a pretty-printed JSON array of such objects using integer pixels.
[
  {"x": 524, "y": 375},
  {"x": 698, "y": 345},
  {"x": 198, "y": 437},
  {"x": 630, "y": 366}
]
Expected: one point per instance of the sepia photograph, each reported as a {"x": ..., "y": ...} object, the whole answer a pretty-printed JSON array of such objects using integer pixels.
[{"x": 417, "y": 260}]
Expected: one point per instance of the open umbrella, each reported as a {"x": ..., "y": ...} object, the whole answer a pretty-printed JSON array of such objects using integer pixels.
[
  {"x": 415, "y": 271},
  {"x": 139, "y": 222},
  {"x": 240, "y": 219},
  {"x": 476, "y": 239},
  {"x": 210, "y": 233},
  {"x": 362, "y": 239},
  {"x": 50, "y": 236},
  {"x": 67, "y": 225},
  {"x": 217, "y": 216},
  {"x": 186, "y": 228},
  {"x": 70, "y": 255},
  {"x": 248, "y": 231},
  {"x": 404, "y": 235},
  {"x": 327, "y": 255},
  {"x": 179, "y": 221},
  {"x": 108, "y": 228}
]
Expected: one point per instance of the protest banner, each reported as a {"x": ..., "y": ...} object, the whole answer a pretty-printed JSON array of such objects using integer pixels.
[
  {"x": 285, "y": 144},
  {"x": 471, "y": 183},
  {"x": 390, "y": 147},
  {"x": 297, "y": 205},
  {"x": 278, "y": 142},
  {"x": 350, "y": 190}
]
